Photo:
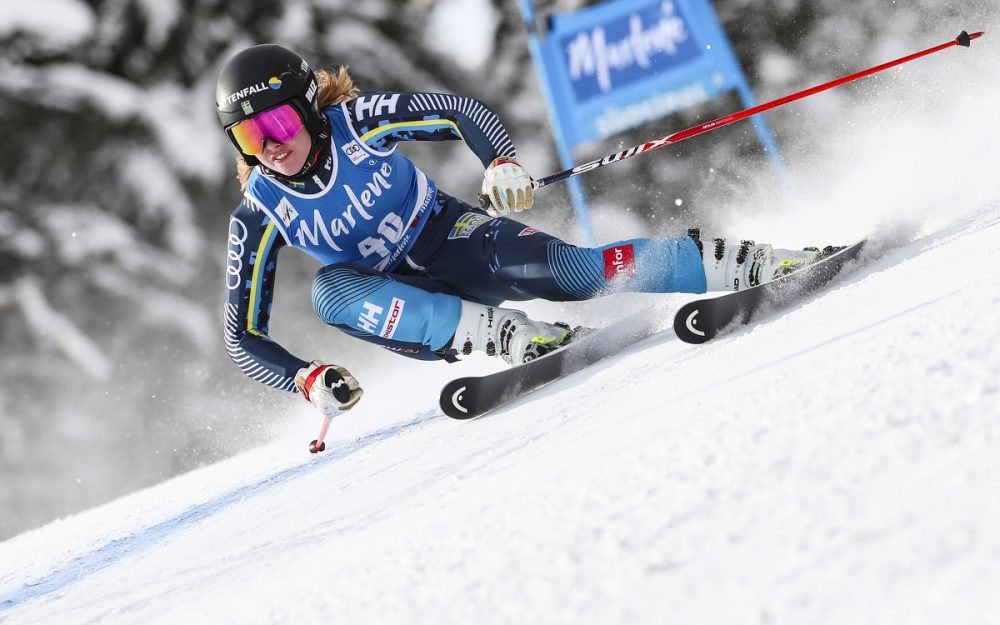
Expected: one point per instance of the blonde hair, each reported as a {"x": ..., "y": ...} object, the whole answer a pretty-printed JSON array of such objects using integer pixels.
[{"x": 335, "y": 86}]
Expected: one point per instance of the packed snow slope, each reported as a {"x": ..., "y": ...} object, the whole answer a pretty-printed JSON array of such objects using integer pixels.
[{"x": 836, "y": 463}]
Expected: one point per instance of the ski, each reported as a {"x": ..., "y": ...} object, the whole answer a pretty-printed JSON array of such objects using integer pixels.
[
  {"x": 695, "y": 322},
  {"x": 701, "y": 320},
  {"x": 469, "y": 397}
]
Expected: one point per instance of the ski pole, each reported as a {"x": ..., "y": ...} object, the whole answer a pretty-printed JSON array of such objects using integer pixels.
[
  {"x": 964, "y": 39},
  {"x": 318, "y": 445}
]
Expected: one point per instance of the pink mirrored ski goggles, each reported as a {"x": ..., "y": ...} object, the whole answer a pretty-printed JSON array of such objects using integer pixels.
[{"x": 278, "y": 124}]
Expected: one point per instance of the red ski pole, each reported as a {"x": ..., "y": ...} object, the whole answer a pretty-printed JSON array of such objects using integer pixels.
[
  {"x": 318, "y": 445},
  {"x": 964, "y": 39}
]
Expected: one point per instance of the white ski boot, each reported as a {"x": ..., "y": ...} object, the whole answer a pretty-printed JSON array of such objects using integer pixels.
[
  {"x": 509, "y": 333},
  {"x": 749, "y": 264}
]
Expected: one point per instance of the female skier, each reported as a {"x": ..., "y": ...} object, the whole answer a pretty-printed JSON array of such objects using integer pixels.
[{"x": 406, "y": 266}]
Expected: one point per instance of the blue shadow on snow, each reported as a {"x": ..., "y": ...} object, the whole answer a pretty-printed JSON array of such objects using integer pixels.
[{"x": 118, "y": 549}]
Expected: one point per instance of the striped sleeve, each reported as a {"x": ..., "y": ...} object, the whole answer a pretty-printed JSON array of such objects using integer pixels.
[
  {"x": 251, "y": 263},
  {"x": 383, "y": 119}
]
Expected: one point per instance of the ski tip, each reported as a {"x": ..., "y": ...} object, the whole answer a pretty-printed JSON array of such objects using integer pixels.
[
  {"x": 688, "y": 327},
  {"x": 456, "y": 401}
]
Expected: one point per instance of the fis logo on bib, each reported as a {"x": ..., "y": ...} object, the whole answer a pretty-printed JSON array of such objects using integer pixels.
[
  {"x": 619, "y": 261},
  {"x": 286, "y": 212}
]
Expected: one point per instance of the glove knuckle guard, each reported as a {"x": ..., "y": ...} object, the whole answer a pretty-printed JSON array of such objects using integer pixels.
[
  {"x": 330, "y": 389},
  {"x": 508, "y": 186}
]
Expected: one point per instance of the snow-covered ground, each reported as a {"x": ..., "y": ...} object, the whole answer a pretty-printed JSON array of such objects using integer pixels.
[{"x": 835, "y": 464}]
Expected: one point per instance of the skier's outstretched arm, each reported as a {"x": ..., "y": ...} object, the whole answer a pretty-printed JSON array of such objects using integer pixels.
[
  {"x": 382, "y": 119},
  {"x": 251, "y": 266}
]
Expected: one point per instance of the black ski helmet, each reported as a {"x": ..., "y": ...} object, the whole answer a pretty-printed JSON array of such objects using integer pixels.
[{"x": 262, "y": 77}]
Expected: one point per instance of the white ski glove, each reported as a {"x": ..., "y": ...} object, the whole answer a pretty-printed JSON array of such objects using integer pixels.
[
  {"x": 331, "y": 389},
  {"x": 506, "y": 186}
]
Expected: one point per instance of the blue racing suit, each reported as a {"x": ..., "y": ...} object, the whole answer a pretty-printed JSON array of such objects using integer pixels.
[{"x": 398, "y": 254}]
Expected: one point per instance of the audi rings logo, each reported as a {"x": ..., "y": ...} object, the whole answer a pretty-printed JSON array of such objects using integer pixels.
[{"x": 234, "y": 257}]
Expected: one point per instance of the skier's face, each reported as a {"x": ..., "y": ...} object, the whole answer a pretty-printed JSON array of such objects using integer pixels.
[{"x": 287, "y": 158}]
